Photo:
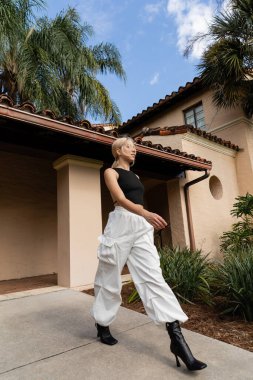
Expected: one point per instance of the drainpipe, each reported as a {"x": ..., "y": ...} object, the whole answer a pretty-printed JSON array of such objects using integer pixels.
[{"x": 188, "y": 207}]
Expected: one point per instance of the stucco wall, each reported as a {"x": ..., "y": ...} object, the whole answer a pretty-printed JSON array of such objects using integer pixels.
[
  {"x": 211, "y": 217},
  {"x": 240, "y": 132},
  {"x": 174, "y": 115},
  {"x": 174, "y": 141},
  {"x": 79, "y": 219},
  {"x": 177, "y": 213},
  {"x": 28, "y": 223},
  {"x": 215, "y": 117}
]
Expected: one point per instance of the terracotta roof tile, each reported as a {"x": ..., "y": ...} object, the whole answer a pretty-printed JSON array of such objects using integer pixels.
[
  {"x": 27, "y": 107},
  {"x": 104, "y": 125},
  {"x": 66, "y": 119},
  {"x": 48, "y": 113},
  {"x": 168, "y": 149},
  {"x": 85, "y": 124},
  {"x": 197, "y": 82},
  {"x": 112, "y": 132},
  {"x": 101, "y": 129},
  {"x": 180, "y": 129},
  {"x": 6, "y": 100}
]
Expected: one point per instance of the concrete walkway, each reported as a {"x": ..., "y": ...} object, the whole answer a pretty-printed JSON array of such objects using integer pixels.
[{"x": 49, "y": 335}]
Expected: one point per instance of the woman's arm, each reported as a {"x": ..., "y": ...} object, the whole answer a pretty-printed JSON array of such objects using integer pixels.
[{"x": 111, "y": 180}]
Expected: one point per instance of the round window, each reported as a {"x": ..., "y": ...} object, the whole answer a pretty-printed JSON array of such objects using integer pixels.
[{"x": 215, "y": 187}]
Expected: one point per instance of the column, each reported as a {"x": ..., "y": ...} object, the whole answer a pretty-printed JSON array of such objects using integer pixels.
[
  {"x": 79, "y": 219},
  {"x": 178, "y": 218}
]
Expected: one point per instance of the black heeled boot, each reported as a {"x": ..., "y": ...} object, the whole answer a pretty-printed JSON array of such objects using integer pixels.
[
  {"x": 180, "y": 348},
  {"x": 105, "y": 335}
]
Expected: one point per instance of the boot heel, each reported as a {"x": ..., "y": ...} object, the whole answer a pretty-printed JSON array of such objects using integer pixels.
[
  {"x": 177, "y": 361},
  {"x": 180, "y": 348}
]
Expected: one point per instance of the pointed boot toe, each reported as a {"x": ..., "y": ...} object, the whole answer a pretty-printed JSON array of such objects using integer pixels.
[{"x": 180, "y": 348}]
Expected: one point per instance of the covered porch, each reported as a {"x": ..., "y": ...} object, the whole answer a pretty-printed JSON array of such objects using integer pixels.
[{"x": 54, "y": 203}]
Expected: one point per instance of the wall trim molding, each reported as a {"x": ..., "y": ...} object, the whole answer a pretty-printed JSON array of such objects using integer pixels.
[
  {"x": 202, "y": 141},
  {"x": 69, "y": 159},
  {"x": 231, "y": 124}
]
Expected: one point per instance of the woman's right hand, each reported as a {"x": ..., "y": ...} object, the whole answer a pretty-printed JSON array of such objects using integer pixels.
[{"x": 154, "y": 219}]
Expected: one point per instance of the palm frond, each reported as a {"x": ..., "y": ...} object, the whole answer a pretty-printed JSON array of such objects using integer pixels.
[
  {"x": 49, "y": 62},
  {"x": 226, "y": 64}
]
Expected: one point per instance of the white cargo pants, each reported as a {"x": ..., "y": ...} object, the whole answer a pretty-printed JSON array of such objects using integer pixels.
[{"x": 128, "y": 238}]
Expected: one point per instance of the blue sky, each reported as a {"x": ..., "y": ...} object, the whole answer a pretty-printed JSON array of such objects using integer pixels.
[{"x": 151, "y": 36}]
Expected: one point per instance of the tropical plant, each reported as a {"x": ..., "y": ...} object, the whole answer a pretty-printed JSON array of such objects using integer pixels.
[
  {"x": 233, "y": 280},
  {"x": 186, "y": 272},
  {"x": 241, "y": 235},
  {"x": 48, "y": 61},
  {"x": 226, "y": 64}
]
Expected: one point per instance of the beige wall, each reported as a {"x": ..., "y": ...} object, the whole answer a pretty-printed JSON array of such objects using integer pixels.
[
  {"x": 28, "y": 222},
  {"x": 215, "y": 117},
  {"x": 79, "y": 219},
  {"x": 211, "y": 217},
  {"x": 174, "y": 115},
  {"x": 178, "y": 221},
  {"x": 240, "y": 131},
  {"x": 174, "y": 141}
]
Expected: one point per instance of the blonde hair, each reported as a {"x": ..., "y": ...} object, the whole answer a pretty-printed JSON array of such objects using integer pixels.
[{"x": 118, "y": 144}]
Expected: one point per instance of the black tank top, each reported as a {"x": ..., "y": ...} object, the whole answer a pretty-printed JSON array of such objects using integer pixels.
[{"x": 130, "y": 185}]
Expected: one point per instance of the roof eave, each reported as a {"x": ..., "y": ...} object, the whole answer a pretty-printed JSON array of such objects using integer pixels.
[
  {"x": 61, "y": 127},
  {"x": 159, "y": 107}
]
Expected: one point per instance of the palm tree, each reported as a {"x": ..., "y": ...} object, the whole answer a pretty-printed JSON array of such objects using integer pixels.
[
  {"x": 49, "y": 62},
  {"x": 227, "y": 64}
]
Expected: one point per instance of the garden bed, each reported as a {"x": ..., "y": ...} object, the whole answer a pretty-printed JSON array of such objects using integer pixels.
[{"x": 205, "y": 320}]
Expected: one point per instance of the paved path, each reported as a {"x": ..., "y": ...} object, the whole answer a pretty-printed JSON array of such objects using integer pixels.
[{"x": 51, "y": 336}]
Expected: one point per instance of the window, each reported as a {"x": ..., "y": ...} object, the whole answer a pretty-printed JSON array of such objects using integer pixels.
[{"x": 195, "y": 116}]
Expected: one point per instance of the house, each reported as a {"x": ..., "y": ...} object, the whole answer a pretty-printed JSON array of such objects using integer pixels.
[
  {"x": 187, "y": 120},
  {"x": 192, "y": 158},
  {"x": 53, "y": 202}
]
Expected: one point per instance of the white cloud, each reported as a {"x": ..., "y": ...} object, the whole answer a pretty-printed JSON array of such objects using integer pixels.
[
  {"x": 153, "y": 9},
  {"x": 155, "y": 79},
  {"x": 191, "y": 17},
  {"x": 101, "y": 14},
  {"x": 101, "y": 20}
]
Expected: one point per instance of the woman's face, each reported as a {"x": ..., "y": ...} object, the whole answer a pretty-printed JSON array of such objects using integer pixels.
[{"x": 128, "y": 151}]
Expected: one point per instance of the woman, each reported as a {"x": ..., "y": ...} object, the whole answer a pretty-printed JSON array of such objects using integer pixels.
[{"x": 128, "y": 238}]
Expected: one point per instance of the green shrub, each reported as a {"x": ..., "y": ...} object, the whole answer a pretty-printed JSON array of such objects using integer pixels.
[
  {"x": 241, "y": 235},
  {"x": 186, "y": 272},
  {"x": 233, "y": 280}
]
